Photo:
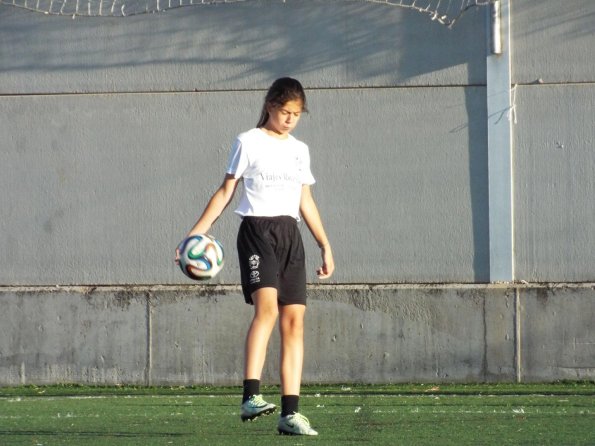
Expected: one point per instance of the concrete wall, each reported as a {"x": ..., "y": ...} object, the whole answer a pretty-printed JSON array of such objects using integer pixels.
[
  {"x": 116, "y": 132},
  {"x": 369, "y": 334}
]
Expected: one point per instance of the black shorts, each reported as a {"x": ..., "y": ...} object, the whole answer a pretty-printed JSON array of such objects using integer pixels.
[{"x": 271, "y": 254}]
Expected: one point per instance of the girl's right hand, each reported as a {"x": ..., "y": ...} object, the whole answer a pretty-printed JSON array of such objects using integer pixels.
[{"x": 177, "y": 258}]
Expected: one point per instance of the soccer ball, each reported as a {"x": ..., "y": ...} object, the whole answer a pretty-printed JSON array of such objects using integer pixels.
[{"x": 201, "y": 257}]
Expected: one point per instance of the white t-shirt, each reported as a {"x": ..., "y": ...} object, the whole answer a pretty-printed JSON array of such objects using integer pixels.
[{"x": 273, "y": 171}]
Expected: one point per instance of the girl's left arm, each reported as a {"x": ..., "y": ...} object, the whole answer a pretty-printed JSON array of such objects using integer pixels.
[{"x": 312, "y": 218}]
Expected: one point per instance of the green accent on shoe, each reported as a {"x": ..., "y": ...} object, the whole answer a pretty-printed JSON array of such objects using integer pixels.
[
  {"x": 254, "y": 407},
  {"x": 295, "y": 424}
]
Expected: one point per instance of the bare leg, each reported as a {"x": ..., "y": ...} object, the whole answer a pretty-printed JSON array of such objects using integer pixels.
[
  {"x": 291, "y": 325},
  {"x": 259, "y": 333}
]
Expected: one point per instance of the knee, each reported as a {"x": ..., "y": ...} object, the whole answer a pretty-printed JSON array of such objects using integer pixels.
[
  {"x": 265, "y": 305},
  {"x": 266, "y": 315},
  {"x": 291, "y": 326}
]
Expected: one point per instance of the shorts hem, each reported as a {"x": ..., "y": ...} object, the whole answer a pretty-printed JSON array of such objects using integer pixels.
[{"x": 283, "y": 301}]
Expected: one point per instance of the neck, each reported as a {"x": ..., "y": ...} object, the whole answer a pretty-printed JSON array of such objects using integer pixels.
[{"x": 274, "y": 133}]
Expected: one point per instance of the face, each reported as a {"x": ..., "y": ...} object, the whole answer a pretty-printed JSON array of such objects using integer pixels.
[{"x": 283, "y": 119}]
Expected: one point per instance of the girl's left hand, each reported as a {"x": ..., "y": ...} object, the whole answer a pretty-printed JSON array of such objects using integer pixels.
[{"x": 328, "y": 263}]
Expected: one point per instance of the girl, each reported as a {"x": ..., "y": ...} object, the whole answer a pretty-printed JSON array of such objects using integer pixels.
[{"x": 275, "y": 170}]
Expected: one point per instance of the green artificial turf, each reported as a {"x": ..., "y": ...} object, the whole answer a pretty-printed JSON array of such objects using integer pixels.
[{"x": 505, "y": 414}]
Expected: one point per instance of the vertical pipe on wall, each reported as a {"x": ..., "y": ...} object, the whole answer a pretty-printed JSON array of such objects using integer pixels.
[
  {"x": 500, "y": 164},
  {"x": 518, "y": 344},
  {"x": 495, "y": 28}
]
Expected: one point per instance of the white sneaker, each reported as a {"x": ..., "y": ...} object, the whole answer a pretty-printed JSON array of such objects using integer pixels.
[
  {"x": 255, "y": 407},
  {"x": 295, "y": 424}
]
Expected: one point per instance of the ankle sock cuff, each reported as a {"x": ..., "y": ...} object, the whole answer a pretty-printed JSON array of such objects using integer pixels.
[
  {"x": 251, "y": 387},
  {"x": 289, "y": 404}
]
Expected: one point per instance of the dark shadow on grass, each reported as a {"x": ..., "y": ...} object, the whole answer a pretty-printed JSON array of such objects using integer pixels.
[{"x": 54, "y": 433}]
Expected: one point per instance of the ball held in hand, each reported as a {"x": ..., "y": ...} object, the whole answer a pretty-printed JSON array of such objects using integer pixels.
[{"x": 201, "y": 257}]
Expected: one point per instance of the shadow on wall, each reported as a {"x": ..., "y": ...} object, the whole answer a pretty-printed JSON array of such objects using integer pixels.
[
  {"x": 232, "y": 46},
  {"x": 567, "y": 20}
]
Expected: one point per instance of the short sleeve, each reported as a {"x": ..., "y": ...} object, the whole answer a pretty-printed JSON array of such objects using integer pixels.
[
  {"x": 306, "y": 173},
  {"x": 238, "y": 160}
]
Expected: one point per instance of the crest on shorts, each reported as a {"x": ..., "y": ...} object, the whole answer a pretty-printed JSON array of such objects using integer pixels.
[{"x": 254, "y": 261}]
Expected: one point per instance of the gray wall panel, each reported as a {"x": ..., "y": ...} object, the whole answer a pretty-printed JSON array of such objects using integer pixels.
[
  {"x": 404, "y": 171},
  {"x": 553, "y": 41},
  {"x": 72, "y": 336},
  {"x": 103, "y": 187},
  {"x": 555, "y": 183},
  {"x": 238, "y": 46},
  {"x": 556, "y": 335}
]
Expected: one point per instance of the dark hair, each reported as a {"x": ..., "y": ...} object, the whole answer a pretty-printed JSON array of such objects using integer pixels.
[{"x": 282, "y": 91}]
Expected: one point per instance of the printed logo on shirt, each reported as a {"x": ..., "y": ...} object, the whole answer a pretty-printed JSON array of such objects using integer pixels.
[{"x": 278, "y": 180}]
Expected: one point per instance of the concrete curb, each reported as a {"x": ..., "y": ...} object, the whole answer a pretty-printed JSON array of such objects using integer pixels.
[{"x": 386, "y": 333}]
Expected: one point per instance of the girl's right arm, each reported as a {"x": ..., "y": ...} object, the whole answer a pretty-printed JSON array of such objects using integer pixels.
[{"x": 215, "y": 206}]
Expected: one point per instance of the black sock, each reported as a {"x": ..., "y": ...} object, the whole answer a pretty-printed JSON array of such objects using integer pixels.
[
  {"x": 251, "y": 387},
  {"x": 289, "y": 404}
]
